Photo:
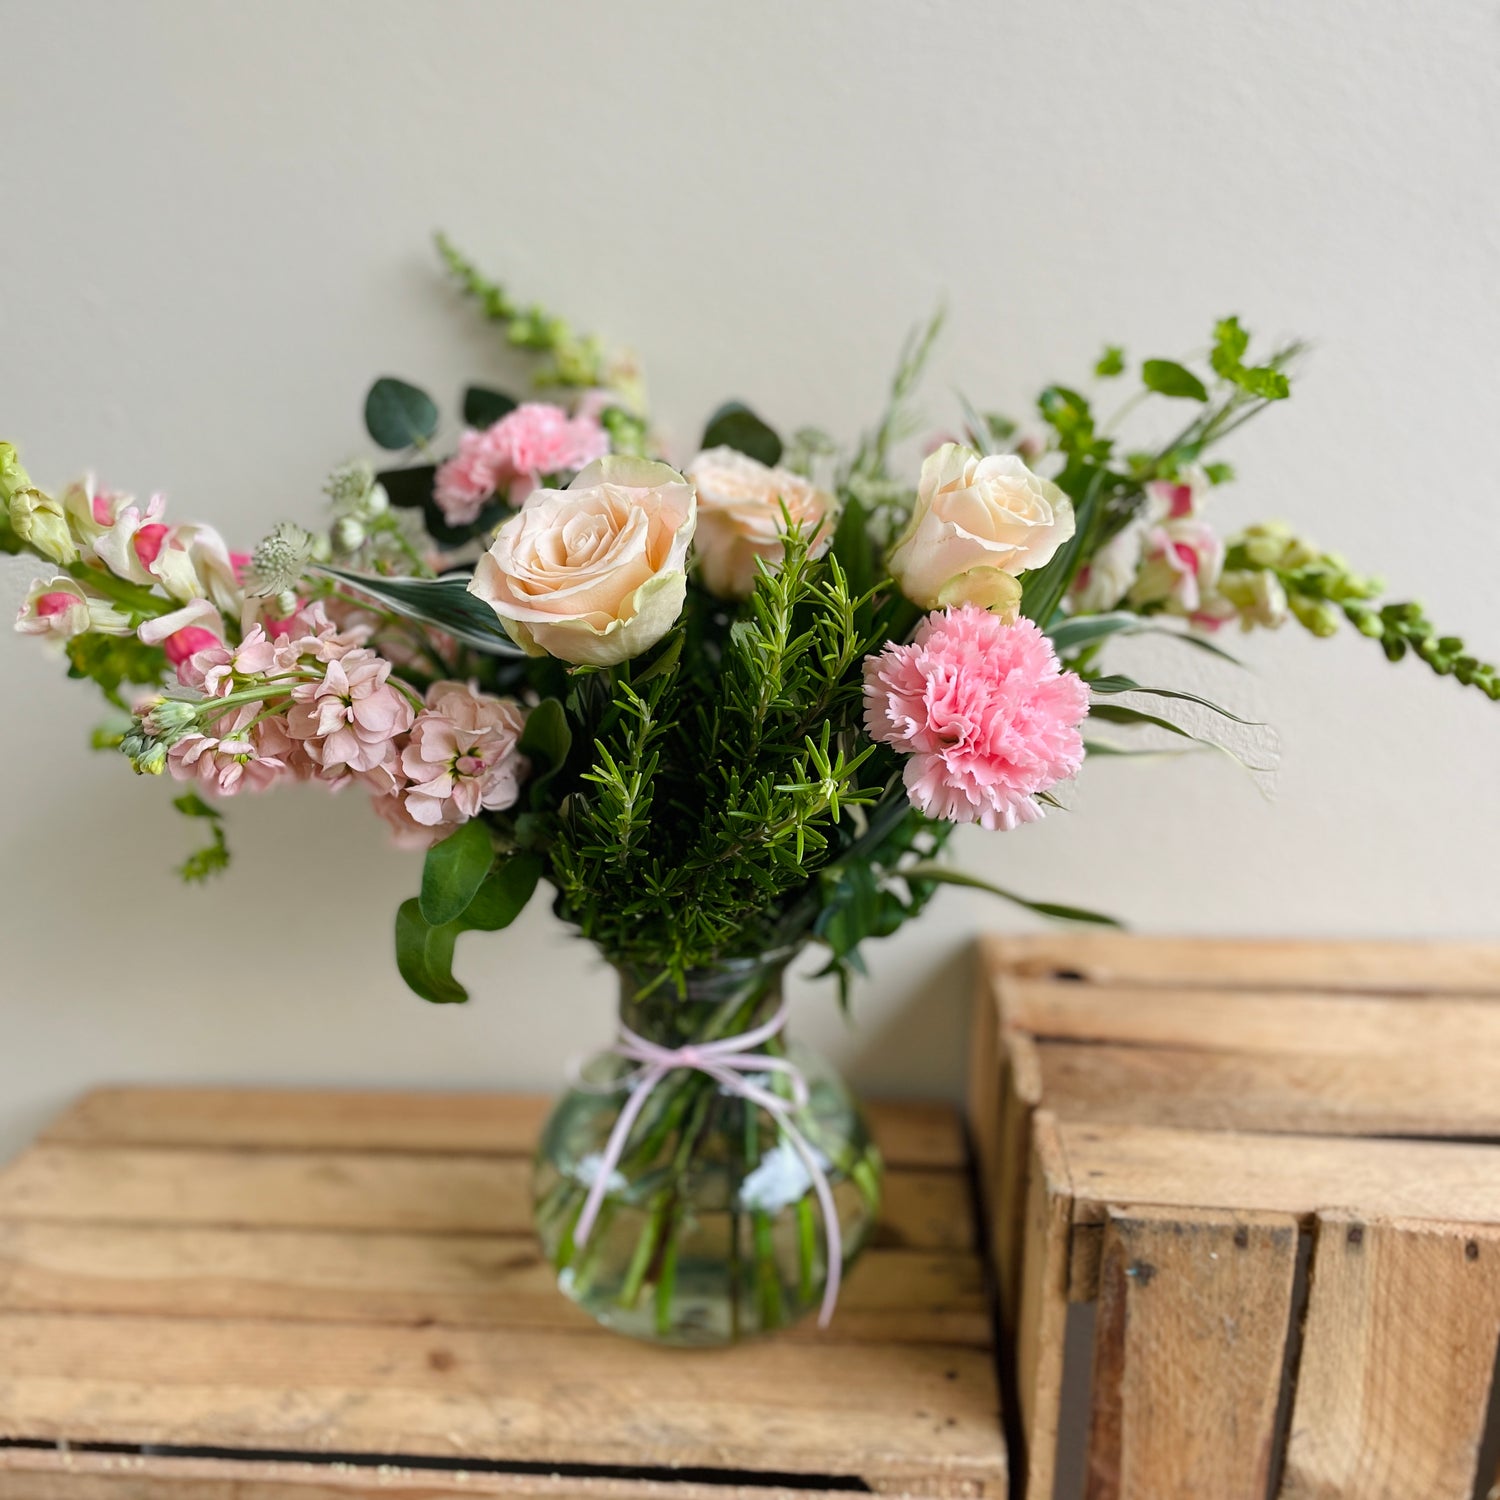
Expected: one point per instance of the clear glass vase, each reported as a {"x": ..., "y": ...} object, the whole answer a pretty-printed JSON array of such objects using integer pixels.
[{"x": 711, "y": 1226}]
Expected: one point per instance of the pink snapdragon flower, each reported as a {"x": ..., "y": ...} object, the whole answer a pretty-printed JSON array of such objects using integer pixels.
[
  {"x": 985, "y": 713},
  {"x": 236, "y": 757},
  {"x": 349, "y": 720},
  {"x": 462, "y": 755},
  {"x": 512, "y": 457},
  {"x": 1180, "y": 566},
  {"x": 60, "y": 607}
]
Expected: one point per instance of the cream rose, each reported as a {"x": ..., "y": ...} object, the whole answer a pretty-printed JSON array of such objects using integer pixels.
[
  {"x": 977, "y": 524},
  {"x": 597, "y": 572},
  {"x": 740, "y": 517}
]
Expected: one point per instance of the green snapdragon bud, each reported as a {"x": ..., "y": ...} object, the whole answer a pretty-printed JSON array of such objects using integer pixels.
[
  {"x": 42, "y": 524},
  {"x": 13, "y": 478},
  {"x": 1316, "y": 615}
]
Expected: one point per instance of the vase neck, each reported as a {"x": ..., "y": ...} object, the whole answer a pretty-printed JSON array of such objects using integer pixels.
[{"x": 722, "y": 1001}]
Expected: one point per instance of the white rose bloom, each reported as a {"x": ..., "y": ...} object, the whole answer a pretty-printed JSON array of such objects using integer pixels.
[
  {"x": 977, "y": 525},
  {"x": 597, "y": 572},
  {"x": 740, "y": 517}
]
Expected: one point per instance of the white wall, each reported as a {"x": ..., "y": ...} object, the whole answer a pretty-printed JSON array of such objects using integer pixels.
[{"x": 215, "y": 233}]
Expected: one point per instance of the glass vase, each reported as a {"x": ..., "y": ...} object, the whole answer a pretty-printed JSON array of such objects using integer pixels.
[{"x": 711, "y": 1226}]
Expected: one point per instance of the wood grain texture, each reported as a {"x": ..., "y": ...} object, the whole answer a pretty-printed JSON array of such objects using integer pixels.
[
  {"x": 1042, "y": 1317},
  {"x": 421, "y": 1192},
  {"x": 31, "y": 1474},
  {"x": 1399, "y": 1348},
  {"x": 1308, "y": 963},
  {"x": 910, "y": 1133},
  {"x": 43, "y": 1475},
  {"x": 908, "y": 1296},
  {"x": 590, "y": 1398},
  {"x": 1417, "y": 1093},
  {"x": 1247, "y": 1020},
  {"x": 1189, "y": 1347}
]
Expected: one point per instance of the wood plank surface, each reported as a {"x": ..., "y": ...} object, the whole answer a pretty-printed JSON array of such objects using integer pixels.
[
  {"x": 1190, "y": 1339},
  {"x": 592, "y": 1398},
  {"x": 1396, "y": 967},
  {"x": 1249, "y": 1020},
  {"x": 1042, "y": 1319},
  {"x": 352, "y": 1190},
  {"x": 35, "y": 1474},
  {"x": 459, "y": 1280},
  {"x": 1131, "y": 1164},
  {"x": 910, "y": 1133},
  {"x": 1398, "y": 1351},
  {"x": 1418, "y": 1093}
]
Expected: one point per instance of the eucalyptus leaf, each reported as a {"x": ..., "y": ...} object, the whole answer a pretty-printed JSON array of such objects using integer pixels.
[
  {"x": 398, "y": 414},
  {"x": 1168, "y": 378},
  {"x": 734, "y": 425},
  {"x": 944, "y": 876},
  {"x": 504, "y": 893},
  {"x": 424, "y": 955},
  {"x": 484, "y": 407},
  {"x": 454, "y": 870},
  {"x": 444, "y": 603}
]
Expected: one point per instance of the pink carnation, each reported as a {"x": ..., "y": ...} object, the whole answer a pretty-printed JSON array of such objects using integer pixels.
[
  {"x": 985, "y": 712},
  {"x": 462, "y": 755},
  {"x": 349, "y": 720},
  {"x": 525, "y": 446}
]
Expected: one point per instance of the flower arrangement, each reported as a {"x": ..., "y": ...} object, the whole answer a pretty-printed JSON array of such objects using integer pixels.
[{"x": 723, "y": 710}]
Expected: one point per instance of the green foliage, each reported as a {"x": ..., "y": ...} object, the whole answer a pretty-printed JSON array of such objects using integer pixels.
[
  {"x": 1167, "y": 378},
  {"x": 484, "y": 407},
  {"x": 1111, "y": 362},
  {"x": 399, "y": 415},
  {"x": 453, "y": 871},
  {"x": 444, "y": 603},
  {"x": 942, "y": 875},
  {"x": 112, "y": 660},
  {"x": 734, "y": 425},
  {"x": 213, "y": 857}
]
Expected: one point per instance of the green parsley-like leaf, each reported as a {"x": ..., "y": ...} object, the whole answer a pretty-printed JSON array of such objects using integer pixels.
[
  {"x": 1111, "y": 362},
  {"x": 1168, "y": 378}
]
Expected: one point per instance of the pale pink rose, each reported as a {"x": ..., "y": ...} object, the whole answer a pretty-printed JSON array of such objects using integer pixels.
[
  {"x": 741, "y": 520},
  {"x": 1180, "y": 567},
  {"x": 597, "y": 572},
  {"x": 232, "y": 758},
  {"x": 534, "y": 442},
  {"x": 461, "y": 757},
  {"x": 984, "y": 711},
  {"x": 349, "y": 720},
  {"x": 977, "y": 525}
]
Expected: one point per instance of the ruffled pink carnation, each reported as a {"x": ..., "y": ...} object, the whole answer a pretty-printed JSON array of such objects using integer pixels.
[
  {"x": 348, "y": 721},
  {"x": 531, "y": 443},
  {"x": 985, "y": 712},
  {"x": 462, "y": 755}
]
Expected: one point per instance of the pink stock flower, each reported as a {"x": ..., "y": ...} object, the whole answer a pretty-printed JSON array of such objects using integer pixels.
[
  {"x": 236, "y": 757},
  {"x": 533, "y": 442},
  {"x": 406, "y": 832},
  {"x": 462, "y": 755},
  {"x": 986, "y": 714},
  {"x": 213, "y": 669},
  {"x": 348, "y": 721},
  {"x": 183, "y": 645}
]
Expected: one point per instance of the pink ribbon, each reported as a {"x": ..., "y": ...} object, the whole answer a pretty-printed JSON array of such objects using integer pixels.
[{"x": 728, "y": 1062}]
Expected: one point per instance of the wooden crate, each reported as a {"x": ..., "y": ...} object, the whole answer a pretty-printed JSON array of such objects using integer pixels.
[
  {"x": 247, "y": 1294},
  {"x": 1274, "y": 1166}
]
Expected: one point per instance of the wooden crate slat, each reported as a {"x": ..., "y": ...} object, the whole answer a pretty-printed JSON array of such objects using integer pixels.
[
  {"x": 1256, "y": 1021},
  {"x": 910, "y": 1133},
  {"x": 1398, "y": 1350},
  {"x": 1306, "y": 963},
  {"x": 1143, "y": 1164},
  {"x": 1190, "y": 1342},
  {"x": 589, "y": 1398},
  {"x": 353, "y": 1190},
  {"x": 49, "y": 1475},
  {"x": 471, "y": 1281},
  {"x": 1043, "y": 1312},
  {"x": 1419, "y": 1093}
]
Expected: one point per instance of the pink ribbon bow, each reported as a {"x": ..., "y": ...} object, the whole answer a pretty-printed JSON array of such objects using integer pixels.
[{"x": 729, "y": 1062}]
